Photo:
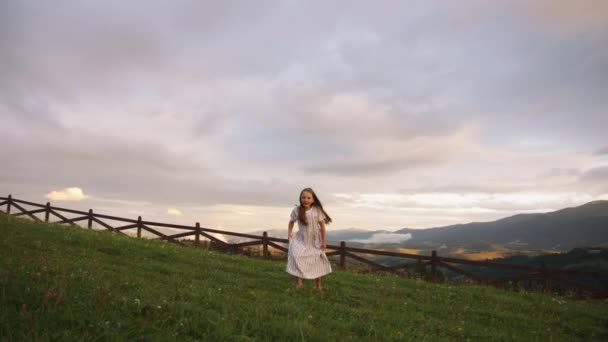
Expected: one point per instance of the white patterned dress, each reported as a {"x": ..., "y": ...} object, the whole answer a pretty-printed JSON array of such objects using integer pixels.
[{"x": 305, "y": 258}]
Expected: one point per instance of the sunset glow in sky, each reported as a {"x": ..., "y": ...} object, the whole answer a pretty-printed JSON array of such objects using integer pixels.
[{"x": 398, "y": 113}]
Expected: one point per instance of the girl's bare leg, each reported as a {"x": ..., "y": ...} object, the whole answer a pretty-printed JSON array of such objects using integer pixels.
[
  {"x": 318, "y": 280},
  {"x": 298, "y": 282}
]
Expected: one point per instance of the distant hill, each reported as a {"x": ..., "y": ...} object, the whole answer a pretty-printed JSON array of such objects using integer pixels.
[
  {"x": 558, "y": 231},
  {"x": 562, "y": 230},
  {"x": 581, "y": 259}
]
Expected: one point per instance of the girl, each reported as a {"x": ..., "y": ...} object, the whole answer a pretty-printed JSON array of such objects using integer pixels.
[{"x": 306, "y": 256}]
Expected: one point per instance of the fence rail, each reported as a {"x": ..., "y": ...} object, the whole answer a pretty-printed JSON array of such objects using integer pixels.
[{"x": 420, "y": 262}]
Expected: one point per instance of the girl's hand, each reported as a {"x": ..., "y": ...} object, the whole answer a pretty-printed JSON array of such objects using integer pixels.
[
  {"x": 323, "y": 246},
  {"x": 289, "y": 236}
]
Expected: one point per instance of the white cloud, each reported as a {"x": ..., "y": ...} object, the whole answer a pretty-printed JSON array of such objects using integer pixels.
[
  {"x": 67, "y": 194},
  {"x": 385, "y": 238},
  {"x": 174, "y": 212},
  {"x": 564, "y": 16},
  {"x": 471, "y": 202}
]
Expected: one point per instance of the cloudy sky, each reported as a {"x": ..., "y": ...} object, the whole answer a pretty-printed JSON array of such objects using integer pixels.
[{"x": 398, "y": 113}]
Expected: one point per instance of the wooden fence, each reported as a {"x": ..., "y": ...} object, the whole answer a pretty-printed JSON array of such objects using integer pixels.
[{"x": 546, "y": 275}]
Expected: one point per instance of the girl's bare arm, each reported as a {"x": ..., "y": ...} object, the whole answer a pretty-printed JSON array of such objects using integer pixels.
[{"x": 289, "y": 229}]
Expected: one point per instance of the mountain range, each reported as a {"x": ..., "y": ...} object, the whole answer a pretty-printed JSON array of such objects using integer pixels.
[{"x": 551, "y": 232}]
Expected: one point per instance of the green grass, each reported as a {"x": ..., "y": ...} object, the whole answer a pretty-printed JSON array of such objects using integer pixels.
[{"x": 63, "y": 283}]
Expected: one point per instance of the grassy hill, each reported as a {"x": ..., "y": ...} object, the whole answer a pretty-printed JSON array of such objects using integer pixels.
[{"x": 61, "y": 282}]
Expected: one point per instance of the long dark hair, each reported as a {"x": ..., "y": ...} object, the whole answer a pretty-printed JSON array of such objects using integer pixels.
[{"x": 315, "y": 203}]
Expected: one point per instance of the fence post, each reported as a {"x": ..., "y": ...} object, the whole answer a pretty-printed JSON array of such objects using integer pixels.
[
  {"x": 139, "y": 227},
  {"x": 342, "y": 254},
  {"x": 47, "y": 212},
  {"x": 265, "y": 244},
  {"x": 8, "y": 204},
  {"x": 434, "y": 266},
  {"x": 90, "y": 223},
  {"x": 197, "y": 235},
  {"x": 545, "y": 274}
]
